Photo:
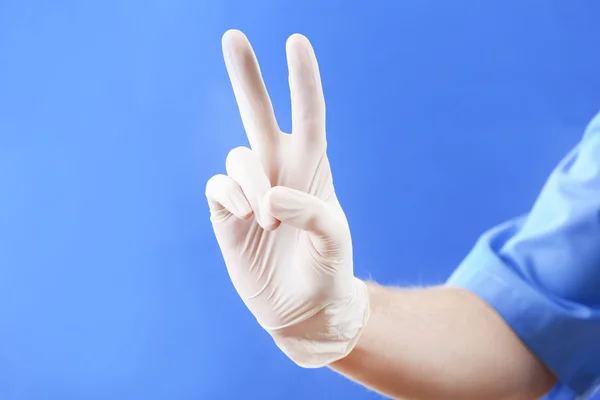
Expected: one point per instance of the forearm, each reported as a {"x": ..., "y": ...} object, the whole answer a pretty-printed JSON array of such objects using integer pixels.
[{"x": 441, "y": 343}]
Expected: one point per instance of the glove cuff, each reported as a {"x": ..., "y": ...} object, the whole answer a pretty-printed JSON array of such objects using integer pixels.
[{"x": 329, "y": 335}]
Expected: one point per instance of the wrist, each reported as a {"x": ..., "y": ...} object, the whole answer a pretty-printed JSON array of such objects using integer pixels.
[{"x": 329, "y": 335}]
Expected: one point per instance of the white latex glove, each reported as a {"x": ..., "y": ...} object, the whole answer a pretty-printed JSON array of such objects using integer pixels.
[{"x": 283, "y": 234}]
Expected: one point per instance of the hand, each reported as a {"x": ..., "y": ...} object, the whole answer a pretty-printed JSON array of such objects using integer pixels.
[{"x": 283, "y": 234}]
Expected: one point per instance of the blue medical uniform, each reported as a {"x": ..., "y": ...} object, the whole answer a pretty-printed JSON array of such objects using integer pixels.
[{"x": 541, "y": 271}]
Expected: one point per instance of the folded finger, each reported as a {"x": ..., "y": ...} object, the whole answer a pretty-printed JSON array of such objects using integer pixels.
[
  {"x": 225, "y": 197},
  {"x": 245, "y": 168}
]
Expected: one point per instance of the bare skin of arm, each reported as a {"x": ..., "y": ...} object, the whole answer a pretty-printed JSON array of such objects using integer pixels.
[{"x": 442, "y": 343}]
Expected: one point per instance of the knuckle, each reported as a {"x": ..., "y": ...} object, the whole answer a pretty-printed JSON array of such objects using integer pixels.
[
  {"x": 214, "y": 184},
  {"x": 236, "y": 156}
]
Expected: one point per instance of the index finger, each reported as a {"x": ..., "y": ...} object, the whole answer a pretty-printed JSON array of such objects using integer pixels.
[
  {"x": 250, "y": 92},
  {"x": 308, "y": 102}
]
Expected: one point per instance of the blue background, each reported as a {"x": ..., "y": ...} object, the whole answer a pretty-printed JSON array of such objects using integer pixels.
[{"x": 444, "y": 118}]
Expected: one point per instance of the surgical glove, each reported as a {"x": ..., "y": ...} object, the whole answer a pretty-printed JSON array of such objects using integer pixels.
[{"x": 282, "y": 232}]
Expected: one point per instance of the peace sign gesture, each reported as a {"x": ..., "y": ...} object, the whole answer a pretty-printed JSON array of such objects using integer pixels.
[{"x": 283, "y": 234}]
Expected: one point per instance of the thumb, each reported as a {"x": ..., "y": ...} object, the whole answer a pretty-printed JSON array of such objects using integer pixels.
[{"x": 302, "y": 211}]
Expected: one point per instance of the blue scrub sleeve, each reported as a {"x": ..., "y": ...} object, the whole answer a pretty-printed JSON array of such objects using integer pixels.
[{"x": 541, "y": 271}]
